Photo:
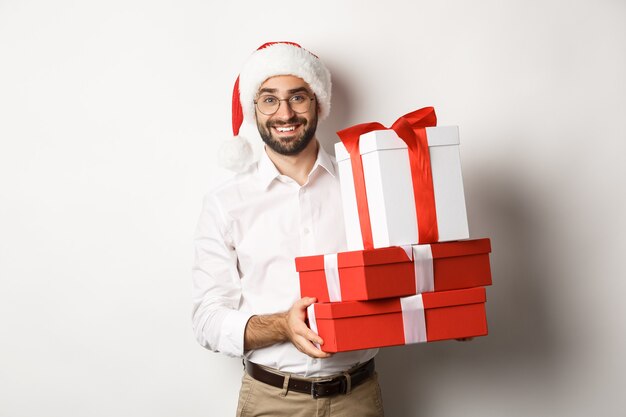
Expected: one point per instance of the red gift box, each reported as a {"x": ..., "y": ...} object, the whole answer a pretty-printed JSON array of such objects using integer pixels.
[
  {"x": 428, "y": 317},
  {"x": 390, "y": 272}
]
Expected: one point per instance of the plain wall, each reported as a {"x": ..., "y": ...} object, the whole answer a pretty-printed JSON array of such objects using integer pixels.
[{"x": 110, "y": 117}]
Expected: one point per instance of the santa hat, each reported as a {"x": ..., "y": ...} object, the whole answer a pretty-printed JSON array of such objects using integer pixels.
[{"x": 270, "y": 60}]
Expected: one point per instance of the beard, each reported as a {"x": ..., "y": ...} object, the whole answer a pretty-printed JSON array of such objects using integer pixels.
[{"x": 288, "y": 145}]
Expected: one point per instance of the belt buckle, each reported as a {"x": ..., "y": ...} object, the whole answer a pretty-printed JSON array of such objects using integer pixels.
[{"x": 342, "y": 386}]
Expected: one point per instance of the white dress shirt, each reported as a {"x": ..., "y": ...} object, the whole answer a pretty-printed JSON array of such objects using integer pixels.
[{"x": 250, "y": 230}]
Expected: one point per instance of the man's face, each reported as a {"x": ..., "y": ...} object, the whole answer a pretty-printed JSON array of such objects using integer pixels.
[{"x": 286, "y": 132}]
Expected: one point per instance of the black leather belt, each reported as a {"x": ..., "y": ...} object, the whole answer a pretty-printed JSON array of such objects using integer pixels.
[{"x": 317, "y": 387}]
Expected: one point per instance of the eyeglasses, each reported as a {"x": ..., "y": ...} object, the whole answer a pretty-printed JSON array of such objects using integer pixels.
[{"x": 268, "y": 104}]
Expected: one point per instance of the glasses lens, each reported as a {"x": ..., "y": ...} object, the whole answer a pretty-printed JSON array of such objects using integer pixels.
[
  {"x": 268, "y": 104},
  {"x": 299, "y": 103}
]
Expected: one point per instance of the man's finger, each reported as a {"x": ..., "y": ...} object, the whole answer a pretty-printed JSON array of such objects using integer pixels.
[
  {"x": 312, "y": 336},
  {"x": 304, "y": 302},
  {"x": 307, "y": 333},
  {"x": 309, "y": 349}
]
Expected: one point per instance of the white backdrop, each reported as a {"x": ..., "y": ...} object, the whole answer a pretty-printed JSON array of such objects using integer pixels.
[{"x": 110, "y": 115}]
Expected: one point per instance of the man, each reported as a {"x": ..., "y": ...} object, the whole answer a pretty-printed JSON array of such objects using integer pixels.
[{"x": 246, "y": 291}]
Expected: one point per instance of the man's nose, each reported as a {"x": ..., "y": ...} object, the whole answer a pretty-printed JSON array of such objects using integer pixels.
[{"x": 284, "y": 110}]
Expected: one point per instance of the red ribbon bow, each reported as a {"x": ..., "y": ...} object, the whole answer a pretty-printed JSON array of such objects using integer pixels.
[{"x": 411, "y": 128}]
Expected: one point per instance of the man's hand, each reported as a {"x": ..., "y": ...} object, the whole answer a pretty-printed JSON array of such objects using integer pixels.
[
  {"x": 299, "y": 333},
  {"x": 266, "y": 330}
]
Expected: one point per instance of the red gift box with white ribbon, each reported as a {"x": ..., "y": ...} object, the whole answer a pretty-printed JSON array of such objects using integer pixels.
[
  {"x": 395, "y": 271},
  {"x": 428, "y": 317}
]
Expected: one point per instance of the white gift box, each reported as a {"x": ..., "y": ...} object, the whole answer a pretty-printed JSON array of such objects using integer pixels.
[{"x": 389, "y": 188}]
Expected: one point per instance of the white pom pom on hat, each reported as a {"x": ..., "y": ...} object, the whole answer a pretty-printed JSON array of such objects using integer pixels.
[{"x": 269, "y": 60}]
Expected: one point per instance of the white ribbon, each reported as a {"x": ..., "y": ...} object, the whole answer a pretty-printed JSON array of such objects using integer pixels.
[
  {"x": 422, "y": 256},
  {"x": 413, "y": 319},
  {"x": 408, "y": 249},
  {"x": 310, "y": 312},
  {"x": 423, "y": 265},
  {"x": 331, "y": 270}
]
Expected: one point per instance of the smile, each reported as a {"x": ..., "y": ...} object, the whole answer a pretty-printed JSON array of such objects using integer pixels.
[{"x": 286, "y": 129}]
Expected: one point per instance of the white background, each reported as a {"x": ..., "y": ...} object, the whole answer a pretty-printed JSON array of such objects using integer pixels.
[{"x": 110, "y": 116}]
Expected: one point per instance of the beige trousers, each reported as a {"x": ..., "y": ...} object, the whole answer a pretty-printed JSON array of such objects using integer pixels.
[{"x": 257, "y": 399}]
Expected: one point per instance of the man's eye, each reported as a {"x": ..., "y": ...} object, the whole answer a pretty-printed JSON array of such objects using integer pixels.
[
  {"x": 269, "y": 99},
  {"x": 297, "y": 98}
]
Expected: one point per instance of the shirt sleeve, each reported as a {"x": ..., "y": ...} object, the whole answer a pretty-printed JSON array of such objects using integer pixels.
[{"x": 216, "y": 292}]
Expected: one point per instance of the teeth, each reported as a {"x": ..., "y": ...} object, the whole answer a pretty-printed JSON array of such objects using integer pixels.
[{"x": 285, "y": 129}]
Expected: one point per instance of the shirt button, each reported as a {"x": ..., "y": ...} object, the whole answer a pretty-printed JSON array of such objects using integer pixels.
[
  {"x": 314, "y": 361},
  {"x": 305, "y": 230}
]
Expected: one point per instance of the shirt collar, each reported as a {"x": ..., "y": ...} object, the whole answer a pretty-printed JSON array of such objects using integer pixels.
[{"x": 267, "y": 171}]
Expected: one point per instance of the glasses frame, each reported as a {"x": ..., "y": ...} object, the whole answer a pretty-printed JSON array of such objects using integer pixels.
[{"x": 311, "y": 99}]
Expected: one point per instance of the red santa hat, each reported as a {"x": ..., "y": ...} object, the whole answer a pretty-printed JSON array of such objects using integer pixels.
[{"x": 270, "y": 60}]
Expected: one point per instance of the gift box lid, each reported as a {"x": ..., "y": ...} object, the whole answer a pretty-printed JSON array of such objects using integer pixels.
[
  {"x": 460, "y": 248},
  {"x": 366, "y": 257},
  {"x": 377, "y": 140},
  {"x": 392, "y": 305},
  {"x": 394, "y": 254}
]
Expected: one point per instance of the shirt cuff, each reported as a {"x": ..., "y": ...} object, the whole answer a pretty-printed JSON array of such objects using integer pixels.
[{"x": 233, "y": 330}]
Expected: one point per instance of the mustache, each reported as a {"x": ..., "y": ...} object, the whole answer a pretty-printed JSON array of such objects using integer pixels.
[{"x": 291, "y": 121}]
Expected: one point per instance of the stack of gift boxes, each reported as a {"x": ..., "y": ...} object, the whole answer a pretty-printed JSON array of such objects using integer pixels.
[{"x": 411, "y": 274}]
